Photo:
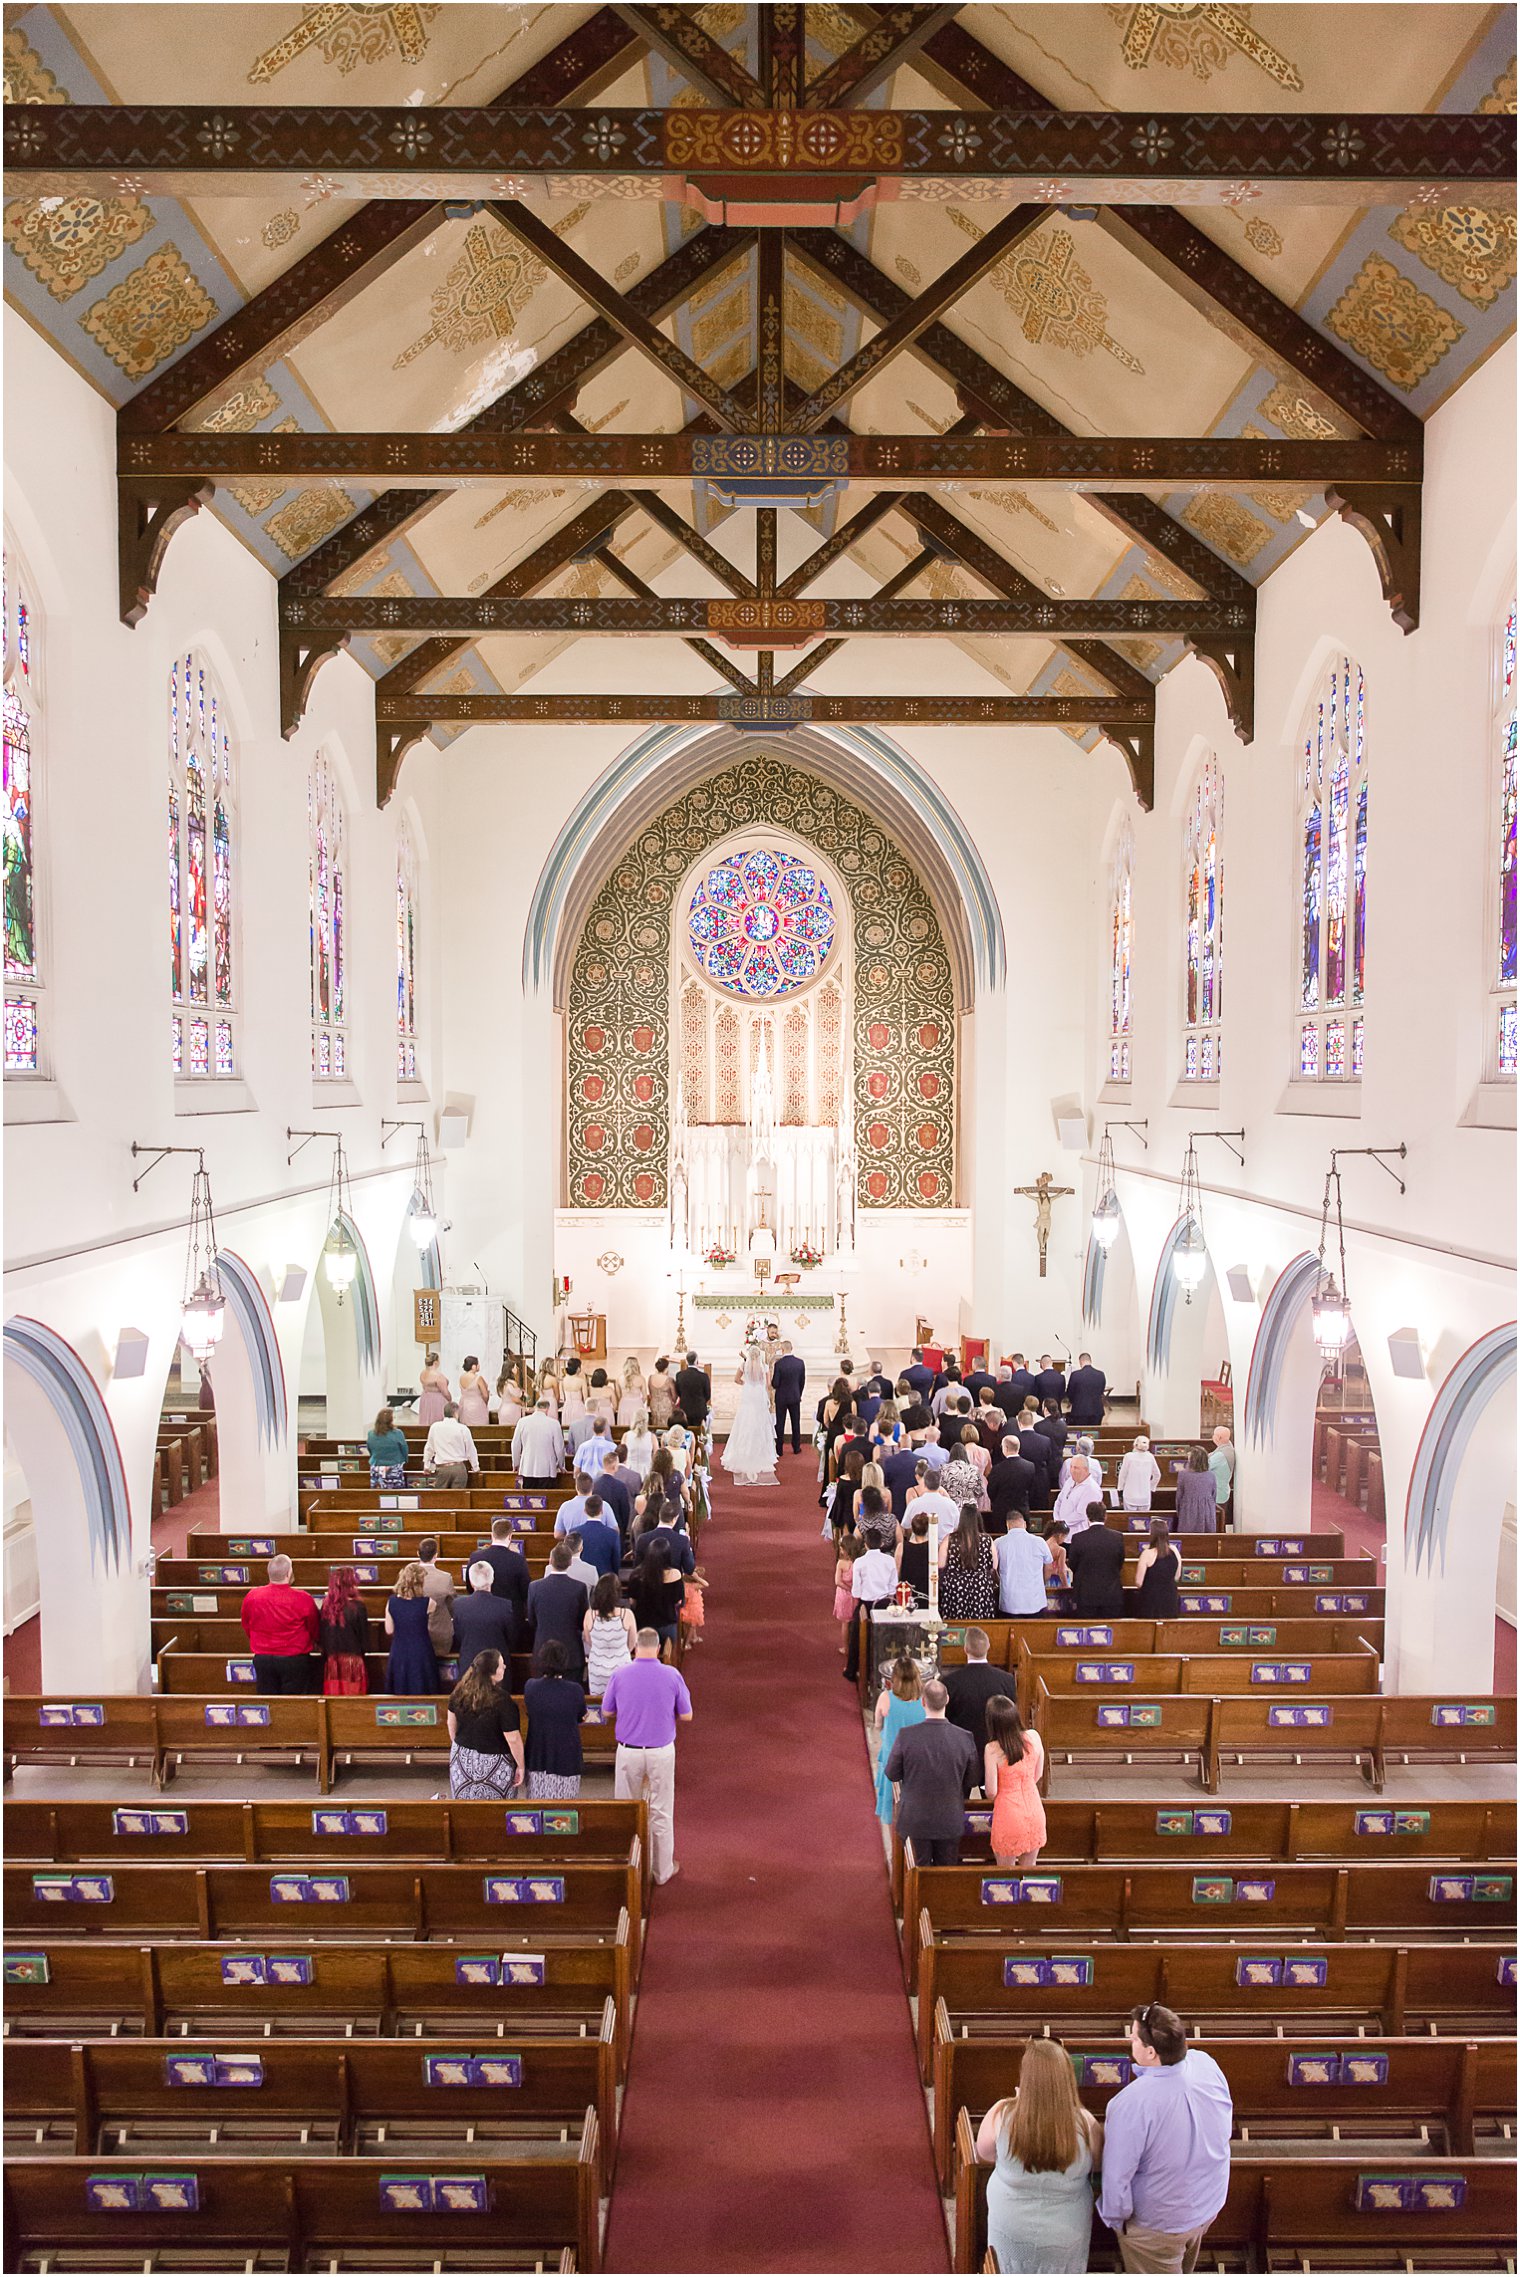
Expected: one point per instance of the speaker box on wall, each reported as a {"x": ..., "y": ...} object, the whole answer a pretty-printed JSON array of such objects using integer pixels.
[
  {"x": 1405, "y": 1354},
  {"x": 131, "y": 1354}
]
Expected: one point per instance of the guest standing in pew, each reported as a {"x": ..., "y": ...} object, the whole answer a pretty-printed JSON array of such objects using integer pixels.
[
  {"x": 387, "y": 1451},
  {"x": 1197, "y": 1496},
  {"x": 657, "y": 1590},
  {"x": 901, "y": 1704},
  {"x": 556, "y": 1706},
  {"x": 873, "y": 1583},
  {"x": 282, "y": 1629},
  {"x": 449, "y": 1456},
  {"x": 343, "y": 1628},
  {"x": 1078, "y": 1497},
  {"x": 434, "y": 1386},
  {"x": 1222, "y": 1464},
  {"x": 1085, "y": 1387},
  {"x": 538, "y": 1447},
  {"x": 644, "y": 1702},
  {"x": 1166, "y": 2159},
  {"x": 607, "y": 1634},
  {"x": 580, "y": 1567},
  {"x": 912, "y": 1555},
  {"x": 1156, "y": 1574},
  {"x": 439, "y": 1587},
  {"x": 485, "y": 1734},
  {"x": 1013, "y": 1763},
  {"x": 1096, "y": 1559},
  {"x": 1057, "y": 1541},
  {"x": 847, "y": 1548},
  {"x": 509, "y": 1577},
  {"x": 557, "y": 1608},
  {"x": 971, "y": 1686},
  {"x": 933, "y": 1766},
  {"x": 482, "y": 1622},
  {"x": 1139, "y": 1476},
  {"x": 968, "y": 1571},
  {"x": 413, "y": 1664},
  {"x": 1047, "y": 2149},
  {"x": 1024, "y": 1560}
]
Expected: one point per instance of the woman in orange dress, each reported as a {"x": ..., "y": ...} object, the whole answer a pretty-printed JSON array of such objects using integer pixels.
[{"x": 1011, "y": 1769}]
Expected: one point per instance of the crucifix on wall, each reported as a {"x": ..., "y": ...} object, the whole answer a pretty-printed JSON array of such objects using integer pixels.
[{"x": 1042, "y": 1193}]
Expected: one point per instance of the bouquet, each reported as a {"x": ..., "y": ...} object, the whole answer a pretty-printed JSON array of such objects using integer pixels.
[
  {"x": 718, "y": 1255},
  {"x": 806, "y": 1254}
]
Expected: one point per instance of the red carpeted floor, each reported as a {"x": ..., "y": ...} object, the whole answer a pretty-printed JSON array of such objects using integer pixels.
[{"x": 774, "y": 2118}]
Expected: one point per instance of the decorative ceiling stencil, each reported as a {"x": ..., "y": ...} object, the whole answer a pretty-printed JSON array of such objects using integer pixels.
[
  {"x": 1390, "y": 322},
  {"x": 348, "y": 36},
  {"x": 1200, "y": 40}
]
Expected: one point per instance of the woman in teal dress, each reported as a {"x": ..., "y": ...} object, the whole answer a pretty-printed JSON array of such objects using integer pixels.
[
  {"x": 1047, "y": 2149},
  {"x": 901, "y": 1704}
]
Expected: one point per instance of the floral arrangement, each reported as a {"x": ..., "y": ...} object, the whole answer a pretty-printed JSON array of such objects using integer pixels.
[
  {"x": 718, "y": 1255},
  {"x": 806, "y": 1254}
]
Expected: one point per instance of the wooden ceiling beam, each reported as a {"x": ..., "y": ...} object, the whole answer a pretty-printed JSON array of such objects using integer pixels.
[
  {"x": 892, "y": 40},
  {"x": 900, "y": 331},
  {"x": 180, "y": 150},
  {"x": 674, "y": 33},
  {"x": 713, "y": 657},
  {"x": 621, "y": 311},
  {"x": 662, "y": 616},
  {"x": 423, "y": 710},
  {"x": 893, "y": 462},
  {"x": 783, "y": 55}
]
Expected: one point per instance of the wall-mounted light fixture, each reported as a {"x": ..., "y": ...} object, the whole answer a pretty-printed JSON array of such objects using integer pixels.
[
  {"x": 203, "y": 1306},
  {"x": 1105, "y": 1216},
  {"x": 1330, "y": 1305},
  {"x": 1190, "y": 1252}
]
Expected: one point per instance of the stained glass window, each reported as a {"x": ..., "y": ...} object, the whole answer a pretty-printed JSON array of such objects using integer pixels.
[
  {"x": 1504, "y": 1036},
  {"x": 761, "y": 924},
  {"x": 1332, "y": 873},
  {"x": 1203, "y": 889},
  {"x": 23, "y": 967},
  {"x": 329, "y": 946},
  {"x": 406, "y": 957},
  {"x": 1120, "y": 953},
  {"x": 202, "y": 874}
]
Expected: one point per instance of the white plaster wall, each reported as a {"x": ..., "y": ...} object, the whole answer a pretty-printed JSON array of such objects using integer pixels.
[
  {"x": 1441, "y": 1257},
  {"x": 82, "y": 1252}
]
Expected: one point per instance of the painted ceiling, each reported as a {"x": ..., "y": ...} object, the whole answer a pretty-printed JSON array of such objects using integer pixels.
[{"x": 1416, "y": 293}]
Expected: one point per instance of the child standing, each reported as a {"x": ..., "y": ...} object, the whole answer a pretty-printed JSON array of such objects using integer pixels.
[
  {"x": 693, "y": 1607},
  {"x": 850, "y": 1548}
]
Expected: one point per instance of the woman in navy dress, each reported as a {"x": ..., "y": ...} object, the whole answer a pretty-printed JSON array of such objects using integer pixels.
[{"x": 413, "y": 1665}]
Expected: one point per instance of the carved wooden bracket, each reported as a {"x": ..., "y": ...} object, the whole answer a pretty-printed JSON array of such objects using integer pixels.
[
  {"x": 1233, "y": 664},
  {"x": 302, "y": 656},
  {"x": 1389, "y": 519},
  {"x": 1139, "y": 747},
  {"x": 391, "y": 746},
  {"x": 147, "y": 517}
]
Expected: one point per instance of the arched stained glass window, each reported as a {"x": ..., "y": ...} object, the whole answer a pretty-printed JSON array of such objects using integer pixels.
[
  {"x": 1203, "y": 886},
  {"x": 406, "y": 957},
  {"x": 202, "y": 863},
  {"x": 329, "y": 941},
  {"x": 761, "y": 924},
  {"x": 1121, "y": 944},
  {"x": 1506, "y": 1053},
  {"x": 23, "y": 963},
  {"x": 1332, "y": 872}
]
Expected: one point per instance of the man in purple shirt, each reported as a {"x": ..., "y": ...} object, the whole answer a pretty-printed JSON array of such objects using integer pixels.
[
  {"x": 1166, "y": 2146},
  {"x": 645, "y": 1700}
]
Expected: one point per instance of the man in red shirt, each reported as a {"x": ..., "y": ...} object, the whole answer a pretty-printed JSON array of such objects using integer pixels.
[{"x": 281, "y": 1626}]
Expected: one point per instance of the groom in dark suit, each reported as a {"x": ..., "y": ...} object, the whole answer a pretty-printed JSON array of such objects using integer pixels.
[
  {"x": 693, "y": 1392},
  {"x": 787, "y": 1379}
]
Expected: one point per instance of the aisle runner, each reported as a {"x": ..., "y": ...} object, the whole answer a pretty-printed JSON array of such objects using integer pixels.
[{"x": 774, "y": 2119}]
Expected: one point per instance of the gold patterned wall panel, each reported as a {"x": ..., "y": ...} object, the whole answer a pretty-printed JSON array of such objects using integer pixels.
[{"x": 618, "y": 1025}]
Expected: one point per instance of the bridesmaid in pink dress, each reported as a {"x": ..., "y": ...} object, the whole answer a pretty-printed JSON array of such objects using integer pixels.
[
  {"x": 1011, "y": 1768},
  {"x": 474, "y": 1394},
  {"x": 435, "y": 1391}
]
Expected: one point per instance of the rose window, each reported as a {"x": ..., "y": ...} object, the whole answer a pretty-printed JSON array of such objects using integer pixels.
[{"x": 761, "y": 924}]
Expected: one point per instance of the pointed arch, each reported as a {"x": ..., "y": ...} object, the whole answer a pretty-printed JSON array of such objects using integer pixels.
[
  {"x": 255, "y": 1323},
  {"x": 1287, "y": 1301},
  {"x": 1460, "y": 1404},
  {"x": 73, "y": 1400}
]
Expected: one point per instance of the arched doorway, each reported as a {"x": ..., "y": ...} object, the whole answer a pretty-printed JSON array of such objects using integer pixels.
[
  {"x": 1454, "y": 1531},
  {"x": 94, "y": 1610},
  {"x": 1306, "y": 1428}
]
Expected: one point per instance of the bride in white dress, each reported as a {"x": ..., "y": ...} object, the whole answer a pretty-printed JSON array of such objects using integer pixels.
[{"x": 750, "y": 1451}]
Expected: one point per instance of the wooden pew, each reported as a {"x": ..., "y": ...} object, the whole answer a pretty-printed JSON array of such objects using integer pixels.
[
  {"x": 1219, "y": 1987},
  {"x": 160, "y": 1732},
  {"x": 1232, "y": 1729},
  {"x": 579, "y": 1901},
  {"x": 325, "y": 2213},
  {"x": 348, "y": 2098},
  {"x": 1429, "y": 2097},
  {"x": 1258, "y": 1674},
  {"x": 1097, "y": 1833},
  {"x": 1259, "y": 1902},
  {"x": 1294, "y": 1637},
  {"x": 61, "y": 1987},
  {"x": 1297, "y": 2213}
]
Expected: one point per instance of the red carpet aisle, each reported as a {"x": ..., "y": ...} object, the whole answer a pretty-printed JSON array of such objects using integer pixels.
[{"x": 774, "y": 2118}]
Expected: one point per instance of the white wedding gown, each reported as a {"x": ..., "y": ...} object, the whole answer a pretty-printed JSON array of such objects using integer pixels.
[{"x": 749, "y": 1453}]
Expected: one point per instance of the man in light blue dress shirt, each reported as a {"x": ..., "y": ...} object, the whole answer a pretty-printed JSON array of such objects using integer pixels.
[{"x": 1166, "y": 2148}]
